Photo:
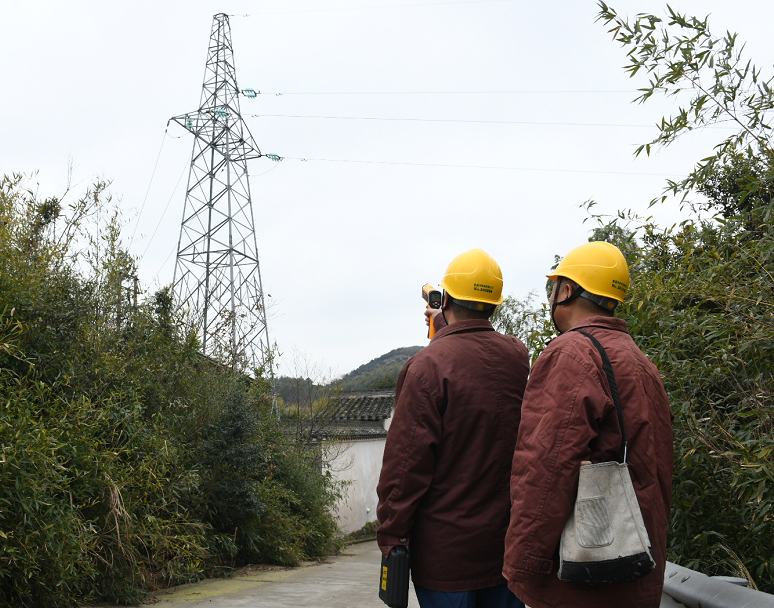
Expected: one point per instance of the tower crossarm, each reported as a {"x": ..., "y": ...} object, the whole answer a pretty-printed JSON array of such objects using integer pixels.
[{"x": 211, "y": 130}]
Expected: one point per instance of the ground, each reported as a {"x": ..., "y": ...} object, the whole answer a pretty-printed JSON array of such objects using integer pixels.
[{"x": 349, "y": 580}]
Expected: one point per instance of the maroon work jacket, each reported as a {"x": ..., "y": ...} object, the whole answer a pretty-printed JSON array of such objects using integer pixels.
[
  {"x": 443, "y": 489},
  {"x": 568, "y": 417}
]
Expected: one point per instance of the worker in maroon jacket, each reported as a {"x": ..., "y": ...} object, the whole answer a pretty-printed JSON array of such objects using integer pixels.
[
  {"x": 568, "y": 417},
  {"x": 443, "y": 489}
]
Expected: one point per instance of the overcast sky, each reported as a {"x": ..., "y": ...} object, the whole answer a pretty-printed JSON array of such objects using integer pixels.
[{"x": 511, "y": 114}]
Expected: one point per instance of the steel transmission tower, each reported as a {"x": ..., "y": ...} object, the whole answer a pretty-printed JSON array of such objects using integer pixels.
[{"x": 217, "y": 276}]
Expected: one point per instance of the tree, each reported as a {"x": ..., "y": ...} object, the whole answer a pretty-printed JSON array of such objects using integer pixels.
[
  {"x": 682, "y": 57},
  {"x": 701, "y": 307},
  {"x": 701, "y": 303},
  {"x": 526, "y": 320},
  {"x": 128, "y": 461}
]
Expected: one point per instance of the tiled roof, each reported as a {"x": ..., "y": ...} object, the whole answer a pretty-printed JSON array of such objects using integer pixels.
[
  {"x": 352, "y": 431},
  {"x": 362, "y": 406},
  {"x": 357, "y": 415}
]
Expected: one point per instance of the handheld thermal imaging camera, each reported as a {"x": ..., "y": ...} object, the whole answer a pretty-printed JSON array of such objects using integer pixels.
[{"x": 434, "y": 299}]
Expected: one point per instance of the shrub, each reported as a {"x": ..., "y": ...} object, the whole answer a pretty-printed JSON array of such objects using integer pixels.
[{"x": 128, "y": 462}]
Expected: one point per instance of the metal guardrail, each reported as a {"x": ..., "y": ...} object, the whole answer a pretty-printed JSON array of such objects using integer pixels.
[{"x": 696, "y": 590}]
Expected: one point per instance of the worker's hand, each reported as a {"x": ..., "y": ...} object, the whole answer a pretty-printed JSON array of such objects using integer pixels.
[{"x": 431, "y": 312}]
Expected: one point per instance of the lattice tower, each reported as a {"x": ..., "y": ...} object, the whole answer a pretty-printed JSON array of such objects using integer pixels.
[{"x": 217, "y": 278}]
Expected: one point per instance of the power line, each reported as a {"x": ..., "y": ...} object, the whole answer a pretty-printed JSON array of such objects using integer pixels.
[
  {"x": 267, "y": 171},
  {"x": 137, "y": 223},
  {"x": 171, "y": 196},
  {"x": 503, "y": 92},
  {"x": 442, "y": 165},
  {"x": 491, "y": 122},
  {"x": 164, "y": 263},
  {"x": 451, "y": 166},
  {"x": 456, "y": 120},
  {"x": 365, "y": 8}
]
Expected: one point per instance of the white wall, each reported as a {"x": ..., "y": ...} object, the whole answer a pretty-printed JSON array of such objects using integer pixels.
[{"x": 358, "y": 462}]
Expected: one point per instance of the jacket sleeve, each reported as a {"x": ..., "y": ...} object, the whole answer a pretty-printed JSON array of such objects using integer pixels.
[
  {"x": 409, "y": 458},
  {"x": 563, "y": 406}
]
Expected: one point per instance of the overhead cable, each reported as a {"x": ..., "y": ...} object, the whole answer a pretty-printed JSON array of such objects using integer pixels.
[
  {"x": 265, "y": 172},
  {"x": 455, "y": 166},
  {"x": 503, "y": 92},
  {"x": 457, "y": 120},
  {"x": 158, "y": 156},
  {"x": 164, "y": 263},
  {"x": 378, "y": 6},
  {"x": 165, "y": 210},
  {"x": 492, "y": 122}
]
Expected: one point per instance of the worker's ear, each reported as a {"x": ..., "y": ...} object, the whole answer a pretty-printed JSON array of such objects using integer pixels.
[
  {"x": 564, "y": 291},
  {"x": 446, "y": 301}
]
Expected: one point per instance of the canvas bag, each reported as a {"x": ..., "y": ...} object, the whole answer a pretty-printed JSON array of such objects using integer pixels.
[{"x": 605, "y": 541}]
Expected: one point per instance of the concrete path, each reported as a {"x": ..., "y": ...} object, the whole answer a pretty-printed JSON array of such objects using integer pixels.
[{"x": 349, "y": 580}]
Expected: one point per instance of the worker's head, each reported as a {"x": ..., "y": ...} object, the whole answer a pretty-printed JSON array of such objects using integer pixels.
[
  {"x": 473, "y": 285},
  {"x": 590, "y": 280}
]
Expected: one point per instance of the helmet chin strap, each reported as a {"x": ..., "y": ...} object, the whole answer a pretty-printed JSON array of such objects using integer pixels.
[{"x": 573, "y": 296}]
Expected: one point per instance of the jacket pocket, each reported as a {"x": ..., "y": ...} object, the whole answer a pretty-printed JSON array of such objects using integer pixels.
[{"x": 593, "y": 522}]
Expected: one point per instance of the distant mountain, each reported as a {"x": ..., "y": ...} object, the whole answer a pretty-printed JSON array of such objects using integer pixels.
[{"x": 381, "y": 372}]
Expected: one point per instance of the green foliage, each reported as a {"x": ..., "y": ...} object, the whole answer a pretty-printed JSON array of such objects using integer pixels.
[
  {"x": 701, "y": 303},
  {"x": 740, "y": 185},
  {"x": 295, "y": 390},
  {"x": 701, "y": 306},
  {"x": 386, "y": 382},
  {"x": 526, "y": 320},
  {"x": 128, "y": 462},
  {"x": 682, "y": 57},
  {"x": 367, "y": 532},
  {"x": 45, "y": 545},
  {"x": 264, "y": 490}
]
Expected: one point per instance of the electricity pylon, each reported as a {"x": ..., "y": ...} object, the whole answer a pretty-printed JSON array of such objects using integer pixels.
[{"x": 217, "y": 277}]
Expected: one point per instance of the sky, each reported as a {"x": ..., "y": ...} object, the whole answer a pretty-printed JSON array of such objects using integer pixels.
[{"x": 411, "y": 131}]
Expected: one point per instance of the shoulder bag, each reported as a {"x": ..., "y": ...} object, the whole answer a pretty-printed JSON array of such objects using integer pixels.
[{"x": 605, "y": 541}]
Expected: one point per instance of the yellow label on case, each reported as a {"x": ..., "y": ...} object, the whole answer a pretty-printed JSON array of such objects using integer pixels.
[{"x": 384, "y": 578}]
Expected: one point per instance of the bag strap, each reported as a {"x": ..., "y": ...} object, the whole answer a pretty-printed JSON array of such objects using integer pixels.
[{"x": 608, "y": 367}]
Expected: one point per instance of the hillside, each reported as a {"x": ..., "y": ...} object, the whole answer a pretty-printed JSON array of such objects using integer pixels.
[{"x": 381, "y": 372}]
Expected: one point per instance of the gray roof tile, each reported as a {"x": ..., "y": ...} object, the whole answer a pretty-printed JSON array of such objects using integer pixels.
[{"x": 362, "y": 406}]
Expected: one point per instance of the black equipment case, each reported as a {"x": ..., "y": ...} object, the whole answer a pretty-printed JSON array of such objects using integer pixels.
[{"x": 393, "y": 584}]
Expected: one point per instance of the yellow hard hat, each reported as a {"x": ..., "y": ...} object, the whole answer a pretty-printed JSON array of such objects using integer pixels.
[
  {"x": 599, "y": 267},
  {"x": 474, "y": 276}
]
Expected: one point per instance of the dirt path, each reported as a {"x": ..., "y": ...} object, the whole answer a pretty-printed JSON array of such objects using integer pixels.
[{"x": 345, "y": 581}]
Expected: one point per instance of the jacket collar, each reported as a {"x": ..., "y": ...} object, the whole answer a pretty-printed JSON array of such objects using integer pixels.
[
  {"x": 604, "y": 323},
  {"x": 463, "y": 326}
]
